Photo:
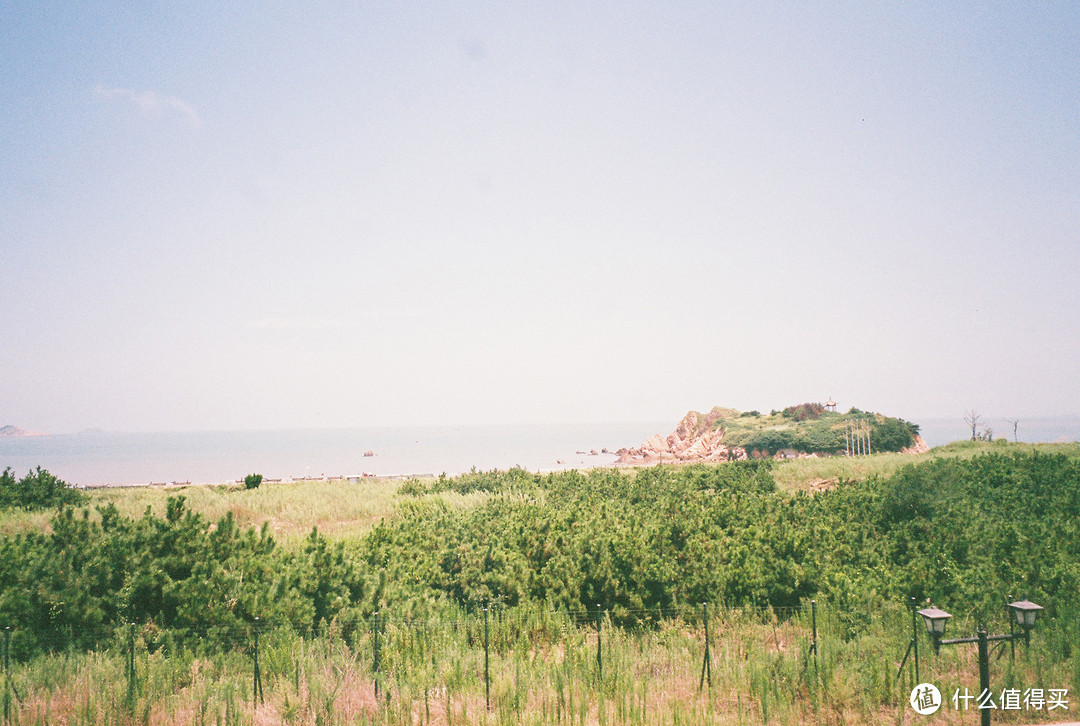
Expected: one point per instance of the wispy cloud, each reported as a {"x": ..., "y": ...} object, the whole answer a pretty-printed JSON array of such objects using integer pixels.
[{"x": 151, "y": 103}]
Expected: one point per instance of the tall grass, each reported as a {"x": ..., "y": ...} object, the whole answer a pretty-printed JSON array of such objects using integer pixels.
[
  {"x": 292, "y": 508},
  {"x": 806, "y": 474},
  {"x": 341, "y": 509},
  {"x": 544, "y": 670}
]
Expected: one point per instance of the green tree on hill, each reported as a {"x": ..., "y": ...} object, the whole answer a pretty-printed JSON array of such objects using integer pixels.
[
  {"x": 804, "y": 412},
  {"x": 892, "y": 434},
  {"x": 37, "y": 490}
]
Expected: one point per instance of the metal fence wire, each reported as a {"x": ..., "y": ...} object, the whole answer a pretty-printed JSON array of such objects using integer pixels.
[{"x": 747, "y": 660}]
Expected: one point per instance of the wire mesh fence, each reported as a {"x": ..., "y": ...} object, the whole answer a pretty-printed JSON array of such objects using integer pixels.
[{"x": 699, "y": 663}]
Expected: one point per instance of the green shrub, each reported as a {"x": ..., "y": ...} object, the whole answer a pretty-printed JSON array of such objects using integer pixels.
[
  {"x": 37, "y": 490},
  {"x": 962, "y": 532},
  {"x": 252, "y": 481},
  {"x": 770, "y": 441},
  {"x": 413, "y": 488},
  {"x": 892, "y": 434},
  {"x": 804, "y": 412},
  {"x": 820, "y": 436}
]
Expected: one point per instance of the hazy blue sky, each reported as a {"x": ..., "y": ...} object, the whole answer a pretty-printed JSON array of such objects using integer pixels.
[{"x": 221, "y": 215}]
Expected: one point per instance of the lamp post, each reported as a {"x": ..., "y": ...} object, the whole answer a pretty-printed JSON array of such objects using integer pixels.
[{"x": 1024, "y": 613}]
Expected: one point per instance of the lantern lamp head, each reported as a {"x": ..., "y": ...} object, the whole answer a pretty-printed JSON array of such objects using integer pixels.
[
  {"x": 1025, "y": 612},
  {"x": 935, "y": 620}
]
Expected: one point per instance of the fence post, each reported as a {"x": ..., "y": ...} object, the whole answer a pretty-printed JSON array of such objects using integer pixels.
[
  {"x": 256, "y": 685},
  {"x": 813, "y": 628},
  {"x": 599, "y": 648},
  {"x": 1012, "y": 634},
  {"x": 375, "y": 665},
  {"x": 7, "y": 675},
  {"x": 915, "y": 636},
  {"x": 984, "y": 671},
  {"x": 487, "y": 678},
  {"x": 131, "y": 664},
  {"x": 913, "y": 644},
  {"x": 706, "y": 665}
]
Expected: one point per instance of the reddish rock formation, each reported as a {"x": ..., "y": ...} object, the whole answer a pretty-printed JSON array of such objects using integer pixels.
[
  {"x": 919, "y": 447},
  {"x": 694, "y": 439}
]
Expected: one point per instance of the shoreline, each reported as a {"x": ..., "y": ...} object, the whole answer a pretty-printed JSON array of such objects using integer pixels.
[
  {"x": 367, "y": 476},
  {"x": 121, "y": 460},
  {"x": 582, "y": 466},
  {"x": 349, "y": 478},
  {"x": 164, "y": 460}
]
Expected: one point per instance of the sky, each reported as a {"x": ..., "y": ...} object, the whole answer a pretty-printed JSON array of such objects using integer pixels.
[{"x": 267, "y": 215}]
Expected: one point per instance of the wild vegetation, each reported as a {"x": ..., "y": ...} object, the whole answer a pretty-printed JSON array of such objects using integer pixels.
[
  {"x": 967, "y": 529},
  {"x": 810, "y": 428},
  {"x": 947, "y": 529},
  {"x": 37, "y": 490}
]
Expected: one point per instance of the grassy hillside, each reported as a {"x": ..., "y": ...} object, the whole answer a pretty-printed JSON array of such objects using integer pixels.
[
  {"x": 809, "y": 428},
  {"x": 811, "y": 475}
]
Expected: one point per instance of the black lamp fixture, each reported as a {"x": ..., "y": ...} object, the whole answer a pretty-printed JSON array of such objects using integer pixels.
[
  {"x": 935, "y": 620},
  {"x": 1024, "y": 612}
]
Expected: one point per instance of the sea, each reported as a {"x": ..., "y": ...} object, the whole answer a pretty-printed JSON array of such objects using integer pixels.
[
  {"x": 96, "y": 459},
  {"x": 124, "y": 459}
]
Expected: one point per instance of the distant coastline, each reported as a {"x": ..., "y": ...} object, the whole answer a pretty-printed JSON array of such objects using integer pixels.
[
  {"x": 10, "y": 430},
  {"x": 118, "y": 459},
  {"x": 206, "y": 457}
]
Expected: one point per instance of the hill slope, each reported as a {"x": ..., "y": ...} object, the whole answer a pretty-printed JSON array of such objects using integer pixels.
[
  {"x": 726, "y": 434},
  {"x": 10, "y": 430}
]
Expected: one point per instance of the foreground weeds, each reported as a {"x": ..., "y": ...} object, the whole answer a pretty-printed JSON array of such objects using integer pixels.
[{"x": 543, "y": 669}]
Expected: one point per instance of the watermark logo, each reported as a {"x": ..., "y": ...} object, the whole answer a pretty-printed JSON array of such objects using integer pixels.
[
  {"x": 1012, "y": 699},
  {"x": 925, "y": 699}
]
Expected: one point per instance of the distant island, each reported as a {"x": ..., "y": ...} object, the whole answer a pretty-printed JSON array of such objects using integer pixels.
[
  {"x": 10, "y": 430},
  {"x": 804, "y": 430}
]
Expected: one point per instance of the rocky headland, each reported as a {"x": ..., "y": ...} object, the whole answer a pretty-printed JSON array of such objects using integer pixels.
[
  {"x": 808, "y": 430},
  {"x": 696, "y": 438},
  {"x": 10, "y": 430}
]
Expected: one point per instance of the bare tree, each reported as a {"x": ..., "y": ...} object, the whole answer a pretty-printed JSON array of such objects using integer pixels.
[
  {"x": 972, "y": 419},
  {"x": 1015, "y": 424}
]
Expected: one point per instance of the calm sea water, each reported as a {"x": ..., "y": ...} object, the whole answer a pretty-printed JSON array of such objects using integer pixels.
[{"x": 94, "y": 459}]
